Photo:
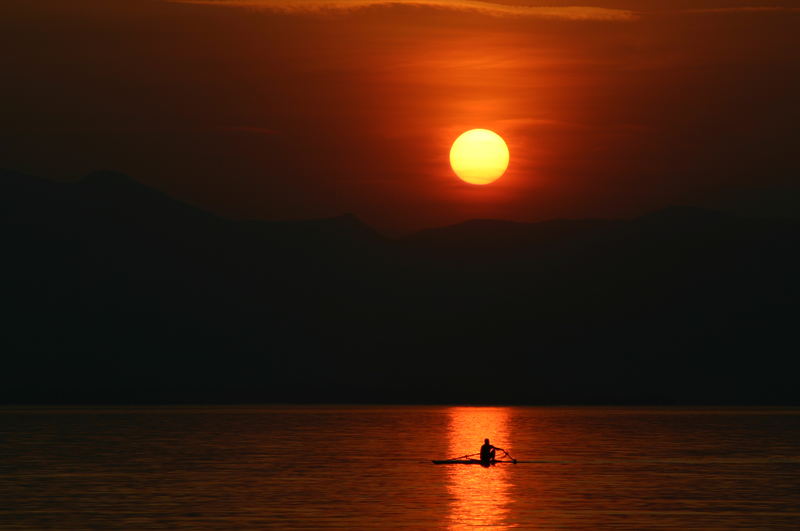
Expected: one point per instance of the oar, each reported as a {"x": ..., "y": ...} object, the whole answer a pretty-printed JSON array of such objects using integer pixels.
[
  {"x": 509, "y": 456},
  {"x": 461, "y": 457}
]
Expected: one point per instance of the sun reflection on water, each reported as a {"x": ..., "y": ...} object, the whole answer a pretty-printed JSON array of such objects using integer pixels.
[{"x": 479, "y": 496}]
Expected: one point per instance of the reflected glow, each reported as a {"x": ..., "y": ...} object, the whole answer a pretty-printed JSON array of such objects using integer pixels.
[{"x": 480, "y": 496}]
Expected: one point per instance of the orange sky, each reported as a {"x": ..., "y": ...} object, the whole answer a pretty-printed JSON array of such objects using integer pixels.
[{"x": 275, "y": 109}]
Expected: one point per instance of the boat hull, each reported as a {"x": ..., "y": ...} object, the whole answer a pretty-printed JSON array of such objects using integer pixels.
[{"x": 470, "y": 462}]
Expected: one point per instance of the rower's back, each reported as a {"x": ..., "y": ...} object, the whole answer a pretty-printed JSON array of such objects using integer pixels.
[{"x": 487, "y": 453}]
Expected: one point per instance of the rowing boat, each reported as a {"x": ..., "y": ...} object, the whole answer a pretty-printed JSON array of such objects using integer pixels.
[{"x": 471, "y": 462}]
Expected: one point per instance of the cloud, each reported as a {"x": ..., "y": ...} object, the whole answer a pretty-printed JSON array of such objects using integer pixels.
[
  {"x": 529, "y": 123},
  {"x": 475, "y": 6},
  {"x": 743, "y": 9}
]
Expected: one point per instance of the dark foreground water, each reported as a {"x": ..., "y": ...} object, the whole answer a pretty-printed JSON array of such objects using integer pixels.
[{"x": 368, "y": 467}]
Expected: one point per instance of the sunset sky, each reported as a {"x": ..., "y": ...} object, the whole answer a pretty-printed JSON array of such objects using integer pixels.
[{"x": 276, "y": 109}]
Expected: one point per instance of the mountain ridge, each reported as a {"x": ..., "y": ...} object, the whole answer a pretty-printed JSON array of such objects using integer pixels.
[
  {"x": 106, "y": 303},
  {"x": 98, "y": 181}
]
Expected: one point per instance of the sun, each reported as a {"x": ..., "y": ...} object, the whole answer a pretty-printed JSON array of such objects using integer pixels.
[{"x": 479, "y": 156}]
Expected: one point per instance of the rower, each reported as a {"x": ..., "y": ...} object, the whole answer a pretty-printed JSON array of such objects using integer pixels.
[{"x": 488, "y": 452}]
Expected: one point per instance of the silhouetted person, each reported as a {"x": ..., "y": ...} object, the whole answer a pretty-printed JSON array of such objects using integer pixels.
[{"x": 488, "y": 452}]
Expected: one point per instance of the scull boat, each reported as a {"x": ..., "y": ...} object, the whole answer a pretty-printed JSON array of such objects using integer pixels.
[
  {"x": 468, "y": 460},
  {"x": 471, "y": 462}
]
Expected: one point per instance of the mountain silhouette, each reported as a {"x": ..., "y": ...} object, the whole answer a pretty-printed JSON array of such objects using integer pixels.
[{"x": 116, "y": 292}]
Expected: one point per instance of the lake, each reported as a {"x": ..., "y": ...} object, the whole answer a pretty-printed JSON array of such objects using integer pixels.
[{"x": 354, "y": 467}]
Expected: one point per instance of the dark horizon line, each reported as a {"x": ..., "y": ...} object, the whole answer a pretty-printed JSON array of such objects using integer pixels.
[{"x": 395, "y": 234}]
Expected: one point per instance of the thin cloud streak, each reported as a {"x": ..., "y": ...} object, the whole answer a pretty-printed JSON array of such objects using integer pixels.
[
  {"x": 475, "y": 6},
  {"x": 744, "y": 9}
]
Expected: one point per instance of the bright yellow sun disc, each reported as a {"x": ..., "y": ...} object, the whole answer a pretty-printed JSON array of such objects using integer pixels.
[{"x": 479, "y": 156}]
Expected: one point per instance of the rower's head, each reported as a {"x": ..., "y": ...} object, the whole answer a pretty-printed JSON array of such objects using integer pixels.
[{"x": 486, "y": 441}]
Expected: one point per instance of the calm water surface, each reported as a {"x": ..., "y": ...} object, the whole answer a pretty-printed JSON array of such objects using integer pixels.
[{"x": 369, "y": 468}]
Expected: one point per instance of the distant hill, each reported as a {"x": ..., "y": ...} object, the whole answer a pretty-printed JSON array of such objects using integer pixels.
[
  {"x": 115, "y": 292},
  {"x": 760, "y": 202}
]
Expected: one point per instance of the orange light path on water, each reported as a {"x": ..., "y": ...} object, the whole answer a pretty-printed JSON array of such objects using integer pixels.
[{"x": 480, "y": 497}]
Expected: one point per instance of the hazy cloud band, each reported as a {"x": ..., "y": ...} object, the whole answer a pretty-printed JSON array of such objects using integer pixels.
[{"x": 477, "y": 6}]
